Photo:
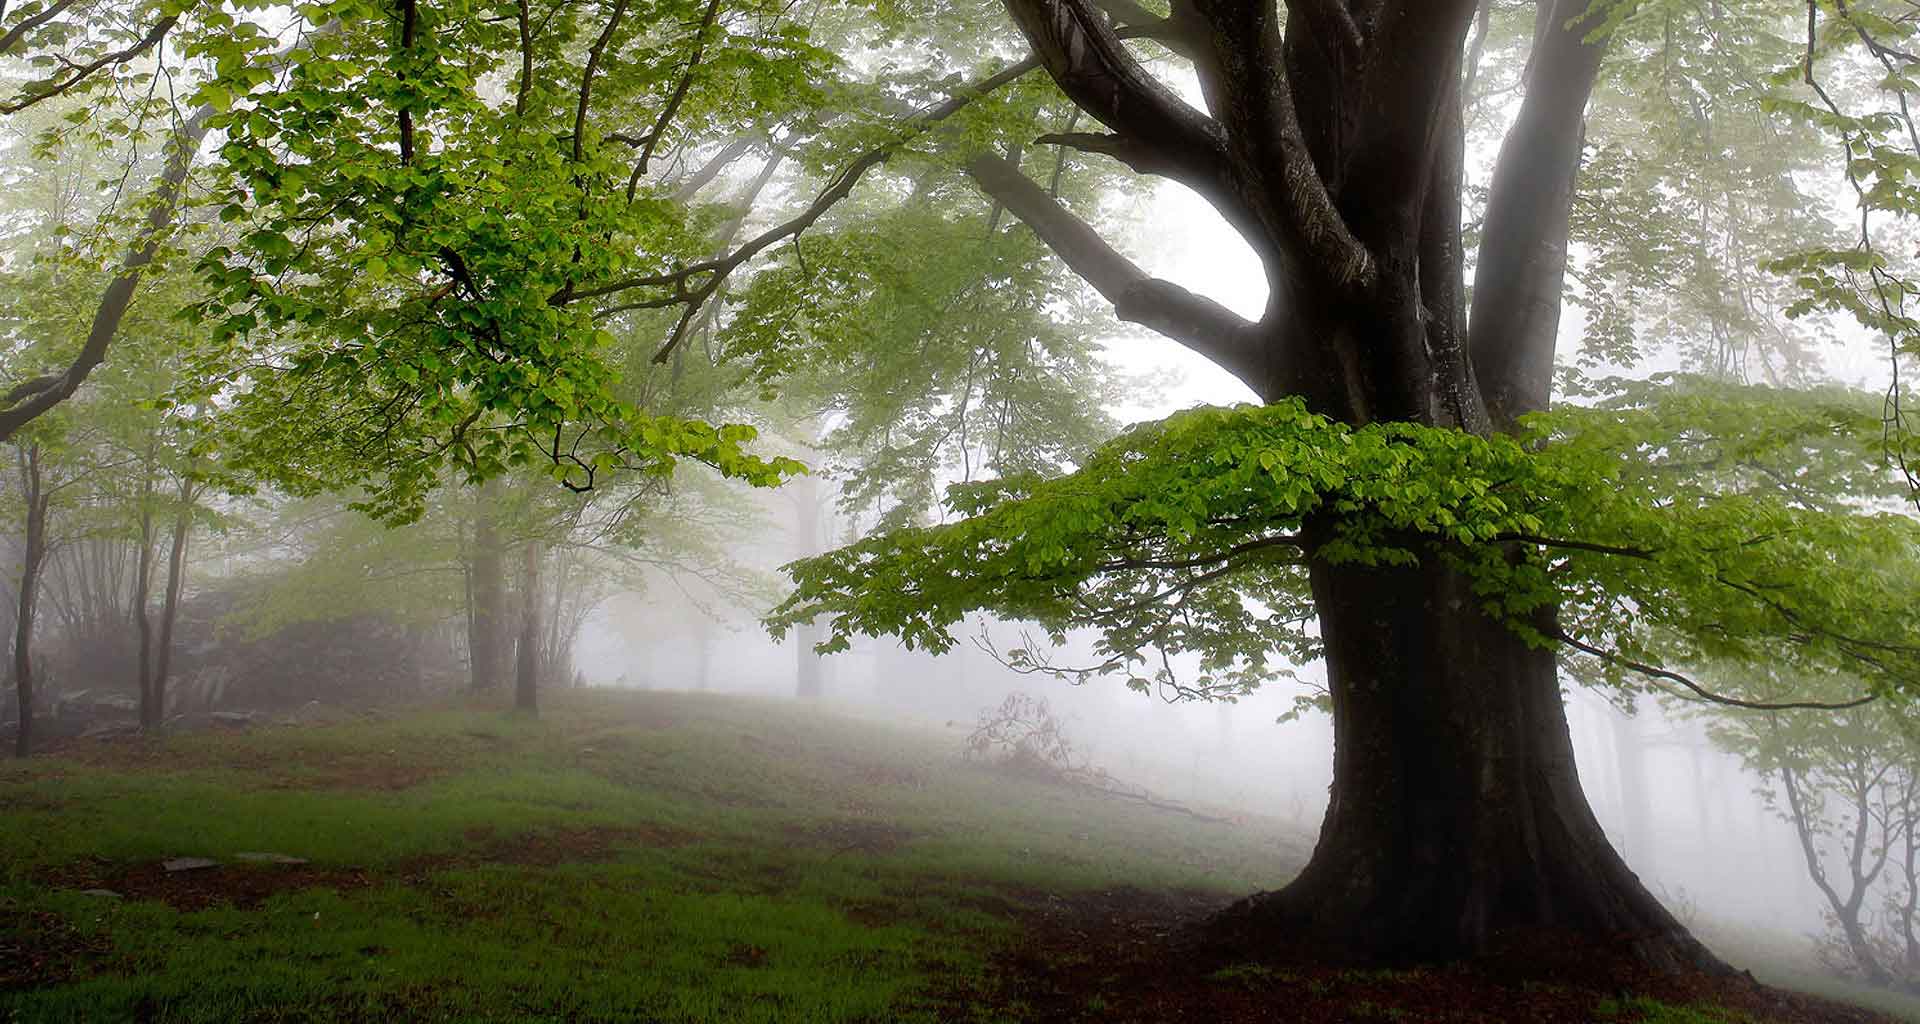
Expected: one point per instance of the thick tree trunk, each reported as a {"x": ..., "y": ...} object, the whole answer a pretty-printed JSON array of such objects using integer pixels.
[
  {"x": 33, "y": 489},
  {"x": 488, "y": 622},
  {"x": 1332, "y": 142},
  {"x": 1455, "y": 812},
  {"x": 170, "y": 610},
  {"x": 526, "y": 686}
]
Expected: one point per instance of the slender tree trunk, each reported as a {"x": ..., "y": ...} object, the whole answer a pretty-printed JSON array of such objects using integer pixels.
[
  {"x": 1846, "y": 911},
  {"x": 556, "y": 650},
  {"x": 527, "y": 667},
  {"x": 170, "y": 609},
  {"x": 807, "y": 669},
  {"x": 1630, "y": 756},
  {"x": 33, "y": 489},
  {"x": 1455, "y": 811},
  {"x": 1910, "y": 870},
  {"x": 142, "y": 588},
  {"x": 486, "y": 635},
  {"x": 703, "y": 656}
]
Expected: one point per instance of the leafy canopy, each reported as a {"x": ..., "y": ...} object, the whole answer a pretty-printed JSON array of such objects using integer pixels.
[{"x": 1682, "y": 516}]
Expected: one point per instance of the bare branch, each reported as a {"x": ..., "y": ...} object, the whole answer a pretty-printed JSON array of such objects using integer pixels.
[
  {"x": 1523, "y": 252},
  {"x": 1702, "y": 692},
  {"x": 594, "y": 54},
  {"x": 1263, "y": 131},
  {"x": 707, "y": 172},
  {"x": 1089, "y": 61},
  {"x": 696, "y": 283},
  {"x": 1199, "y": 323}
]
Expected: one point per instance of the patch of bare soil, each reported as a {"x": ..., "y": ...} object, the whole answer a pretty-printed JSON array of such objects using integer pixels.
[
  {"x": 554, "y": 847},
  {"x": 247, "y": 885},
  {"x": 1131, "y": 957},
  {"x": 29, "y": 801},
  {"x": 872, "y": 838},
  {"x": 40, "y": 948},
  {"x": 286, "y": 768},
  {"x": 374, "y": 773},
  {"x": 244, "y": 886}
]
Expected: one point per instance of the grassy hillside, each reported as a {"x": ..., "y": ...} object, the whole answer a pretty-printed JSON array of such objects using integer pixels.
[{"x": 657, "y": 857}]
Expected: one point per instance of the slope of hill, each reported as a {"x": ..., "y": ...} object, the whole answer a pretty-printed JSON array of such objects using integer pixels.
[{"x": 673, "y": 857}]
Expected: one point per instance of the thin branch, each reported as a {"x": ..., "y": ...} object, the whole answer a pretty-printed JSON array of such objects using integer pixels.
[
  {"x": 28, "y": 400},
  {"x": 14, "y": 34},
  {"x": 1655, "y": 672},
  {"x": 679, "y": 95},
  {"x": 34, "y": 92},
  {"x": 696, "y": 283},
  {"x": 586, "y": 79}
]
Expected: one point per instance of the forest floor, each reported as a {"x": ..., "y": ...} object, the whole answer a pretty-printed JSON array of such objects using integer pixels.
[{"x": 676, "y": 857}]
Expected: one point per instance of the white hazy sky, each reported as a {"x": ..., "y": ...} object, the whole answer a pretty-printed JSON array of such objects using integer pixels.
[{"x": 1180, "y": 238}]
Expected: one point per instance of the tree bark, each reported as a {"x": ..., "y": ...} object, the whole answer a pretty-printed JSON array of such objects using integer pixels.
[
  {"x": 1455, "y": 812},
  {"x": 703, "y": 655},
  {"x": 807, "y": 668},
  {"x": 487, "y": 624},
  {"x": 170, "y": 609},
  {"x": 142, "y": 588},
  {"x": 30, "y": 399},
  {"x": 526, "y": 685},
  {"x": 1333, "y": 144},
  {"x": 33, "y": 490},
  {"x": 1636, "y": 805}
]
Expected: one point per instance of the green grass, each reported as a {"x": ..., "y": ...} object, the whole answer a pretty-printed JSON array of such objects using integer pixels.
[
  {"x": 1653, "y": 1011},
  {"x": 764, "y": 862},
  {"x": 630, "y": 857}
]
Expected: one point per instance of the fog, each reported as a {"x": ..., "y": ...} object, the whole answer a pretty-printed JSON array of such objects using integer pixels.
[
  {"x": 440, "y": 442},
  {"x": 1689, "y": 817}
]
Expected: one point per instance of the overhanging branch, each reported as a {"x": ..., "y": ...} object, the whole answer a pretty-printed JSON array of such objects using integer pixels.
[
  {"x": 30, "y": 399},
  {"x": 693, "y": 285},
  {"x": 1199, "y": 323},
  {"x": 1656, "y": 672},
  {"x": 1088, "y": 59}
]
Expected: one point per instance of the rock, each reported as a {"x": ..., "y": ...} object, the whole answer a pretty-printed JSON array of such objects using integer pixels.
[
  {"x": 113, "y": 703},
  {"x": 105, "y": 894},
  {"x": 315, "y": 713},
  {"x": 268, "y": 858},
  {"x": 110, "y": 730},
  {"x": 178, "y": 864},
  {"x": 231, "y": 719}
]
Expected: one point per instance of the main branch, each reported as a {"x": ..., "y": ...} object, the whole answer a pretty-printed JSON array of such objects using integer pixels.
[{"x": 1199, "y": 323}]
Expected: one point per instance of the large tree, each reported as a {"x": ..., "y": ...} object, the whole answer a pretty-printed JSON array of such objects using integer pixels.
[
  {"x": 1390, "y": 510},
  {"x": 1332, "y": 141}
]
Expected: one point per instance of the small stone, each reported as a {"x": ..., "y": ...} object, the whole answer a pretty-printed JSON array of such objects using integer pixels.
[
  {"x": 102, "y": 893},
  {"x": 268, "y": 858},
  {"x": 189, "y": 864}
]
